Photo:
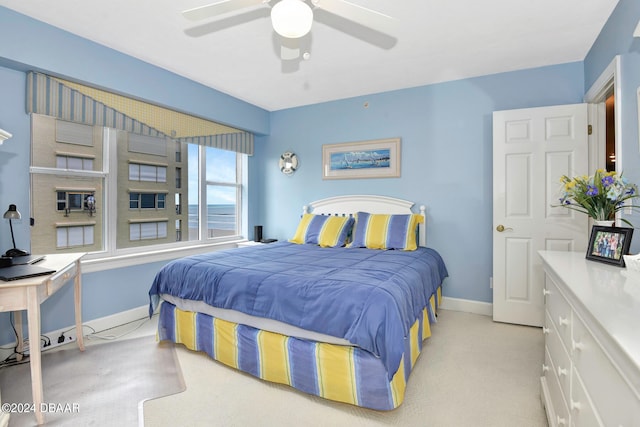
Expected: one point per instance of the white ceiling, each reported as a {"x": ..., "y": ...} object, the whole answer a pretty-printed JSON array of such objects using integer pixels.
[{"x": 434, "y": 41}]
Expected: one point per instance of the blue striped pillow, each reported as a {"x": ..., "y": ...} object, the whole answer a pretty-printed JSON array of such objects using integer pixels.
[
  {"x": 323, "y": 230},
  {"x": 381, "y": 231}
]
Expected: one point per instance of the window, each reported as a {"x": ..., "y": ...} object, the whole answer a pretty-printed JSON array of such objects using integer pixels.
[
  {"x": 74, "y": 236},
  {"x": 148, "y": 173},
  {"x": 148, "y": 230},
  {"x": 73, "y": 162},
  {"x": 74, "y": 200},
  {"x": 108, "y": 192},
  {"x": 178, "y": 152},
  {"x": 147, "y": 200},
  {"x": 218, "y": 199},
  {"x": 178, "y": 177}
]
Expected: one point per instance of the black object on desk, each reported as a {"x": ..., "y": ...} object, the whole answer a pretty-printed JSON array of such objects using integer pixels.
[
  {"x": 6, "y": 261},
  {"x": 17, "y": 272},
  {"x": 26, "y": 259}
]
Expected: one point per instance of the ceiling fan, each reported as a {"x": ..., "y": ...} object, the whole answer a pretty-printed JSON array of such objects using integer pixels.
[{"x": 292, "y": 19}]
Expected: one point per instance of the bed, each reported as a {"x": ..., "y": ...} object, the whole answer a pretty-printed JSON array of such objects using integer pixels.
[{"x": 340, "y": 310}]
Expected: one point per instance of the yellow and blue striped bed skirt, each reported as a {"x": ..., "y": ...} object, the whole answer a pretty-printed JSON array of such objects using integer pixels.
[{"x": 342, "y": 373}]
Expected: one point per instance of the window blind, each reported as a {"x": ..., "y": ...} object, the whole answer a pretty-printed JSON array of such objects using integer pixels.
[{"x": 77, "y": 103}]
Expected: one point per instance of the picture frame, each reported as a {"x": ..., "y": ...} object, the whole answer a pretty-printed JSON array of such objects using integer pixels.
[
  {"x": 363, "y": 159},
  {"x": 609, "y": 244}
]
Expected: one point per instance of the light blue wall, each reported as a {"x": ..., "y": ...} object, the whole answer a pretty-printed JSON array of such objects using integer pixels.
[
  {"x": 446, "y": 132},
  {"x": 616, "y": 39}
]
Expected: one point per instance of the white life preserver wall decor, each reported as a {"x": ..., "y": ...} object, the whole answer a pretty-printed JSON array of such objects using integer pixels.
[{"x": 288, "y": 163}]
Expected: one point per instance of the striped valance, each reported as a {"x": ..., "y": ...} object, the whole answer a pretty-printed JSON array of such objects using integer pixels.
[
  {"x": 81, "y": 104},
  {"x": 241, "y": 142}
]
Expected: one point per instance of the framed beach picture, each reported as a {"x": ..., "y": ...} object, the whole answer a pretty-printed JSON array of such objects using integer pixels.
[
  {"x": 364, "y": 159},
  {"x": 609, "y": 244}
]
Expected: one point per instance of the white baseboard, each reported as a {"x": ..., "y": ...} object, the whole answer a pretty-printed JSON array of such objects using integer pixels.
[
  {"x": 117, "y": 319},
  {"x": 96, "y": 325},
  {"x": 466, "y": 305}
]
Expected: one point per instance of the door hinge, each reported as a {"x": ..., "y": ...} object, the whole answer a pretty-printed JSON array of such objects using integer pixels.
[{"x": 589, "y": 129}]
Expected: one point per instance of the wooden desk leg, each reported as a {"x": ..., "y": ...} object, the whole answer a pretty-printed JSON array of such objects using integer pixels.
[
  {"x": 33, "y": 318},
  {"x": 78, "y": 306},
  {"x": 17, "y": 322}
]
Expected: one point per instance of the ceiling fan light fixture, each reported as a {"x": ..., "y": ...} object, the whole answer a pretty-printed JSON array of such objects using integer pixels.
[{"x": 291, "y": 18}]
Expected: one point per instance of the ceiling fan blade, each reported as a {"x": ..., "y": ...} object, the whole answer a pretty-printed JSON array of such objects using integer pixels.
[
  {"x": 219, "y": 8},
  {"x": 376, "y": 38},
  {"x": 358, "y": 14}
]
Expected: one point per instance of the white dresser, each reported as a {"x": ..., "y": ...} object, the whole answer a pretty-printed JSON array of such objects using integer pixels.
[{"x": 591, "y": 370}]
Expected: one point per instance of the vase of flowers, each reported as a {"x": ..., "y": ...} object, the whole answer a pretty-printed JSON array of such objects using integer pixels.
[{"x": 600, "y": 196}]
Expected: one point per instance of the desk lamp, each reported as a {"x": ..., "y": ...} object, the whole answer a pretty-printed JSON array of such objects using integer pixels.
[{"x": 10, "y": 214}]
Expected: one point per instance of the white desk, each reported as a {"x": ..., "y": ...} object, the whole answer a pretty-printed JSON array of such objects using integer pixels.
[{"x": 28, "y": 294}]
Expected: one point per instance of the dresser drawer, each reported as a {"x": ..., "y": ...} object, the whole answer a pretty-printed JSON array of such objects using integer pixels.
[
  {"x": 555, "y": 402},
  {"x": 559, "y": 356},
  {"x": 608, "y": 390},
  {"x": 582, "y": 412},
  {"x": 60, "y": 278},
  {"x": 560, "y": 311}
]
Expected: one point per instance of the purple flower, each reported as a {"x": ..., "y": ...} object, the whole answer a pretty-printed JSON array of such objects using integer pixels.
[
  {"x": 607, "y": 181},
  {"x": 592, "y": 190}
]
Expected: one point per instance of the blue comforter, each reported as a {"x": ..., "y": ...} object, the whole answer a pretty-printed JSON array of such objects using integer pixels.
[{"x": 369, "y": 297}]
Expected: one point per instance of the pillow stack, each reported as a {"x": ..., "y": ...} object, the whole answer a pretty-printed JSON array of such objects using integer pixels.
[
  {"x": 371, "y": 231},
  {"x": 324, "y": 230},
  {"x": 380, "y": 231}
]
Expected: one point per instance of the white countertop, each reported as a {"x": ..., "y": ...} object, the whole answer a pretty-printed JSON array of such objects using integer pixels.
[{"x": 610, "y": 295}]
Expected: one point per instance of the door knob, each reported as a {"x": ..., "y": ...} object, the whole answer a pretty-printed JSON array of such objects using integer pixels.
[{"x": 500, "y": 228}]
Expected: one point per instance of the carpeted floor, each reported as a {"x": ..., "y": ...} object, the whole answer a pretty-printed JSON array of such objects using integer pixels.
[{"x": 106, "y": 383}]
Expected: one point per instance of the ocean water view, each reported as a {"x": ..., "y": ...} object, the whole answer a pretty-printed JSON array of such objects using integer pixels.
[{"x": 221, "y": 220}]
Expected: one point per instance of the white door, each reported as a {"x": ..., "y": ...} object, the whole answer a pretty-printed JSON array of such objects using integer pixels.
[{"x": 532, "y": 149}]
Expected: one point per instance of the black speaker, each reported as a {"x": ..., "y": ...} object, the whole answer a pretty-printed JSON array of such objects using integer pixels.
[{"x": 257, "y": 233}]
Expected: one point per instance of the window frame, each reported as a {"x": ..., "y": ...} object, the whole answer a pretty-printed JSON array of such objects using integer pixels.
[
  {"x": 159, "y": 198},
  {"x": 113, "y": 257},
  {"x": 83, "y": 193},
  {"x": 75, "y": 226},
  {"x": 200, "y": 245}
]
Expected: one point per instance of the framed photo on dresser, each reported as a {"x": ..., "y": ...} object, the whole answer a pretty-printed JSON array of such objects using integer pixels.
[{"x": 609, "y": 244}]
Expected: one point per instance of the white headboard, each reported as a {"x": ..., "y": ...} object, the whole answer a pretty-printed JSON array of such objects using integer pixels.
[{"x": 349, "y": 205}]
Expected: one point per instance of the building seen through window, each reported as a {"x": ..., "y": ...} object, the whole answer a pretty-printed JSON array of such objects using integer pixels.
[{"x": 98, "y": 189}]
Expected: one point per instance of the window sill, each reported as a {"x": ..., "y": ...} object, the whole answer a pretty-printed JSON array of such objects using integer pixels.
[{"x": 93, "y": 263}]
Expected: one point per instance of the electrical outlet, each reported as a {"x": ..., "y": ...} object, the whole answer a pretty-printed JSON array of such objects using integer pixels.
[
  {"x": 53, "y": 342},
  {"x": 61, "y": 339}
]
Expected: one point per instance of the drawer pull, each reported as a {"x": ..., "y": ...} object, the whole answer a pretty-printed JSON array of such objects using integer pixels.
[
  {"x": 575, "y": 405},
  {"x": 560, "y": 420},
  {"x": 545, "y": 368},
  {"x": 577, "y": 345},
  {"x": 562, "y": 371},
  {"x": 563, "y": 321},
  {"x": 545, "y": 292},
  {"x": 545, "y": 330}
]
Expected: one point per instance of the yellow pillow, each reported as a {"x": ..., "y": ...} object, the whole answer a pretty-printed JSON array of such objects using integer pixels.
[{"x": 323, "y": 230}]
